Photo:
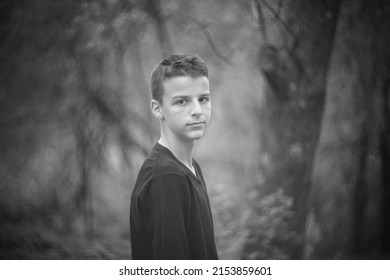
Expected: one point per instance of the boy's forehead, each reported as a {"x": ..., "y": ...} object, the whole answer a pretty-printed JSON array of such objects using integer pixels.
[
  {"x": 183, "y": 83},
  {"x": 184, "y": 78}
]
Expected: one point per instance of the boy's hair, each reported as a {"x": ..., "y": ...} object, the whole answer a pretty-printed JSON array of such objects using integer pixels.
[{"x": 174, "y": 66}]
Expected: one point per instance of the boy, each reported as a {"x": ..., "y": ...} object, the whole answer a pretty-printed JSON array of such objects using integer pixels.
[{"x": 170, "y": 215}]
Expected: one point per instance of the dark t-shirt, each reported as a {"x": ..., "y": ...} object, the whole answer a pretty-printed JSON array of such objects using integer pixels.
[{"x": 170, "y": 214}]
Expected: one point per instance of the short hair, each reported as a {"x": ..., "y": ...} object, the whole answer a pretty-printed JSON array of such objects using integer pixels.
[{"x": 176, "y": 65}]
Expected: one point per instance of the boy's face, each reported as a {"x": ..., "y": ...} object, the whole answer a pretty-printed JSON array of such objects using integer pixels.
[{"x": 186, "y": 107}]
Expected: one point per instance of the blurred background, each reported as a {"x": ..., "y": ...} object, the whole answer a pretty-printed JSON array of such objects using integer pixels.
[{"x": 297, "y": 155}]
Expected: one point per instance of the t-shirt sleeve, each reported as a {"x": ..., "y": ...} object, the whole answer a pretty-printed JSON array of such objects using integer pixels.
[{"x": 166, "y": 212}]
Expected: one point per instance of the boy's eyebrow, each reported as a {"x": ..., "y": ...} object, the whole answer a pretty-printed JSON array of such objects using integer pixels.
[
  {"x": 187, "y": 96},
  {"x": 180, "y": 97}
]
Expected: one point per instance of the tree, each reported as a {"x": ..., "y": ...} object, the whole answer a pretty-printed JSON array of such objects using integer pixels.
[
  {"x": 348, "y": 213},
  {"x": 294, "y": 64}
]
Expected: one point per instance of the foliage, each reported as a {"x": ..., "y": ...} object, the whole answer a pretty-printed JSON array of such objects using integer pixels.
[
  {"x": 268, "y": 229},
  {"x": 228, "y": 232}
]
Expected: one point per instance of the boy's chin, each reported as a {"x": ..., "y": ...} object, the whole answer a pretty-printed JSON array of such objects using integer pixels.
[{"x": 195, "y": 136}]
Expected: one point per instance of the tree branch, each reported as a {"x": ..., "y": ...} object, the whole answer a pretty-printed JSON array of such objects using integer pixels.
[
  {"x": 211, "y": 43},
  {"x": 276, "y": 14},
  {"x": 261, "y": 21}
]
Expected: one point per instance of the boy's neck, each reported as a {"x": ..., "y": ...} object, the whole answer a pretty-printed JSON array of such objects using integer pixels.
[{"x": 182, "y": 151}]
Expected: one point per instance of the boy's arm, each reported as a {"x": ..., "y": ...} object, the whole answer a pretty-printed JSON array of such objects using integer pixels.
[{"x": 166, "y": 212}]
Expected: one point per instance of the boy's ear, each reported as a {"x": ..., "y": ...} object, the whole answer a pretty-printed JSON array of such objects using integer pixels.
[{"x": 156, "y": 109}]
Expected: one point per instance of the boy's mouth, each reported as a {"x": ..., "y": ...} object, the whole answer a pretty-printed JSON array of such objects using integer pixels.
[{"x": 195, "y": 123}]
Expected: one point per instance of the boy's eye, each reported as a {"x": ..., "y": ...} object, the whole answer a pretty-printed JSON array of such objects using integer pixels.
[
  {"x": 204, "y": 99},
  {"x": 181, "y": 102}
]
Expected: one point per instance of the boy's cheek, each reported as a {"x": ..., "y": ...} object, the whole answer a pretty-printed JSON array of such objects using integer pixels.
[
  {"x": 207, "y": 107},
  {"x": 207, "y": 113},
  {"x": 178, "y": 110}
]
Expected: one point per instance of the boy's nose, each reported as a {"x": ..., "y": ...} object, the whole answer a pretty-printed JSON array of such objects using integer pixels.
[{"x": 196, "y": 109}]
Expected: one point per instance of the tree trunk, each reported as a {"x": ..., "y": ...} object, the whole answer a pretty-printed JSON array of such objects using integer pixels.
[
  {"x": 294, "y": 99},
  {"x": 153, "y": 8},
  {"x": 345, "y": 217}
]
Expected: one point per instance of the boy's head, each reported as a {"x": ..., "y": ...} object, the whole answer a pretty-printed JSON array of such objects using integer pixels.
[{"x": 175, "y": 66}]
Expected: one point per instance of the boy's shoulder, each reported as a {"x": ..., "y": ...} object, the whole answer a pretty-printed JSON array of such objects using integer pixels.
[{"x": 161, "y": 162}]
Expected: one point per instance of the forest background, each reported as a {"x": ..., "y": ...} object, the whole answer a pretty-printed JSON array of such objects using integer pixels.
[{"x": 297, "y": 155}]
